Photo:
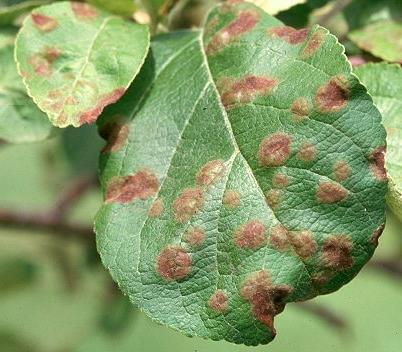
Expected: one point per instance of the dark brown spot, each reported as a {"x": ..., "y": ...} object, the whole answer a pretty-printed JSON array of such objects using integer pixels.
[
  {"x": 173, "y": 263},
  {"x": 306, "y": 152},
  {"x": 329, "y": 192},
  {"x": 244, "y": 90},
  {"x": 90, "y": 116},
  {"x": 377, "y": 166},
  {"x": 43, "y": 23},
  {"x": 116, "y": 135},
  {"x": 376, "y": 235},
  {"x": 279, "y": 237},
  {"x": 218, "y": 301},
  {"x": 280, "y": 180},
  {"x": 194, "y": 236},
  {"x": 274, "y": 150},
  {"x": 245, "y": 22},
  {"x": 231, "y": 198},
  {"x": 187, "y": 204},
  {"x": 250, "y": 235},
  {"x": 313, "y": 43},
  {"x": 210, "y": 172},
  {"x": 83, "y": 11},
  {"x": 273, "y": 198},
  {"x": 156, "y": 208},
  {"x": 266, "y": 299},
  {"x": 303, "y": 243},
  {"x": 336, "y": 253},
  {"x": 289, "y": 34},
  {"x": 341, "y": 170},
  {"x": 51, "y": 54},
  {"x": 40, "y": 65},
  {"x": 124, "y": 189},
  {"x": 333, "y": 95},
  {"x": 300, "y": 109}
]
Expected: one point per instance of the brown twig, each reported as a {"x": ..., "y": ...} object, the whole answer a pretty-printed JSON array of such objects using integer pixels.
[
  {"x": 392, "y": 267},
  {"x": 325, "y": 314}
]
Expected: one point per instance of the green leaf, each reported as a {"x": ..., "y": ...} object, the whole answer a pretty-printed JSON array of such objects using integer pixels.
[
  {"x": 76, "y": 60},
  {"x": 10, "y": 10},
  {"x": 242, "y": 171},
  {"x": 384, "y": 83},
  {"x": 382, "y": 39},
  {"x": 20, "y": 119},
  {"x": 120, "y": 7},
  {"x": 16, "y": 274},
  {"x": 275, "y": 6}
]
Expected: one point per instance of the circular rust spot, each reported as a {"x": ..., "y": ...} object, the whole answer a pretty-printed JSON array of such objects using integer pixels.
[
  {"x": 250, "y": 235},
  {"x": 40, "y": 65},
  {"x": 187, "y": 204},
  {"x": 156, "y": 208},
  {"x": 231, "y": 198},
  {"x": 303, "y": 243},
  {"x": 83, "y": 11},
  {"x": 307, "y": 152},
  {"x": 313, "y": 43},
  {"x": 333, "y": 95},
  {"x": 289, "y": 34},
  {"x": 273, "y": 198},
  {"x": 274, "y": 150},
  {"x": 329, "y": 192},
  {"x": 300, "y": 109},
  {"x": 195, "y": 236},
  {"x": 377, "y": 166},
  {"x": 336, "y": 253},
  {"x": 279, "y": 237},
  {"x": 173, "y": 263},
  {"x": 124, "y": 189},
  {"x": 43, "y": 23},
  {"x": 280, "y": 180},
  {"x": 210, "y": 172},
  {"x": 341, "y": 170},
  {"x": 218, "y": 301}
]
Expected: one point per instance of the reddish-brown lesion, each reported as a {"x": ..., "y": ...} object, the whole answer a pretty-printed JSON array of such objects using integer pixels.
[
  {"x": 341, "y": 170},
  {"x": 303, "y": 243},
  {"x": 376, "y": 235},
  {"x": 116, "y": 135},
  {"x": 195, "y": 236},
  {"x": 307, "y": 152},
  {"x": 187, "y": 204},
  {"x": 231, "y": 198},
  {"x": 156, "y": 208},
  {"x": 124, "y": 189},
  {"x": 377, "y": 163},
  {"x": 313, "y": 43},
  {"x": 290, "y": 35},
  {"x": 210, "y": 172},
  {"x": 40, "y": 65},
  {"x": 333, "y": 95},
  {"x": 300, "y": 109},
  {"x": 336, "y": 253},
  {"x": 266, "y": 299},
  {"x": 250, "y": 235},
  {"x": 273, "y": 198},
  {"x": 330, "y": 192},
  {"x": 218, "y": 301},
  {"x": 43, "y": 23},
  {"x": 173, "y": 263},
  {"x": 274, "y": 150},
  {"x": 83, "y": 11}
]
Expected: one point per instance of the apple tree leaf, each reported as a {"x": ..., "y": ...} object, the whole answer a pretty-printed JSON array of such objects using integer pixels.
[
  {"x": 384, "y": 83},
  {"x": 242, "y": 171},
  {"x": 76, "y": 59}
]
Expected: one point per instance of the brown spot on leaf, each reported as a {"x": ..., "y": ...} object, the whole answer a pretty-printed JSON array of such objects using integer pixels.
[
  {"x": 83, "y": 11},
  {"x": 266, "y": 299},
  {"x": 279, "y": 237},
  {"x": 336, "y": 253},
  {"x": 43, "y": 23},
  {"x": 194, "y": 236},
  {"x": 91, "y": 115},
  {"x": 40, "y": 65},
  {"x": 116, "y": 135},
  {"x": 210, "y": 172},
  {"x": 377, "y": 165},
  {"x": 330, "y": 192},
  {"x": 243, "y": 23},
  {"x": 273, "y": 198},
  {"x": 250, "y": 235},
  {"x": 231, "y": 198},
  {"x": 289, "y": 34},
  {"x": 333, "y": 95},
  {"x": 173, "y": 263},
  {"x": 303, "y": 243},
  {"x": 124, "y": 189},
  {"x": 218, "y": 301},
  {"x": 274, "y": 150},
  {"x": 341, "y": 170},
  {"x": 313, "y": 43},
  {"x": 280, "y": 180},
  {"x": 156, "y": 208},
  {"x": 376, "y": 235},
  {"x": 187, "y": 204},
  {"x": 307, "y": 152},
  {"x": 300, "y": 109},
  {"x": 244, "y": 90},
  {"x": 51, "y": 54}
]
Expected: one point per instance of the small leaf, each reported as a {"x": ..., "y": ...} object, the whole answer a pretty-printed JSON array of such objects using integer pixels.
[
  {"x": 382, "y": 39},
  {"x": 10, "y": 10},
  {"x": 76, "y": 59},
  {"x": 275, "y": 6},
  {"x": 242, "y": 172},
  {"x": 384, "y": 83},
  {"x": 20, "y": 119},
  {"x": 120, "y": 7}
]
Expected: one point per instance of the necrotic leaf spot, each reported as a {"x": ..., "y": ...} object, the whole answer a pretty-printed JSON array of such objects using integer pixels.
[
  {"x": 306, "y": 152},
  {"x": 116, "y": 135},
  {"x": 300, "y": 109},
  {"x": 280, "y": 180},
  {"x": 187, "y": 204},
  {"x": 218, "y": 301},
  {"x": 303, "y": 243},
  {"x": 156, "y": 208},
  {"x": 250, "y": 235},
  {"x": 274, "y": 150},
  {"x": 273, "y": 198},
  {"x": 210, "y": 172},
  {"x": 329, "y": 192},
  {"x": 341, "y": 170},
  {"x": 279, "y": 237},
  {"x": 231, "y": 198},
  {"x": 173, "y": 263},
  {"x": 376, "y": 235},
  {"x": 194, "y": 236},
  {"x": 377, "y": 166},
  {"x": 336, "y": 252},
  {"x": 83, "y": 11},
  {"x": 43, "y": 23},
  {"x": 313, "y": 43},
  {"x": 289, "y": 34},
  {"x": 333, "y": 95}
]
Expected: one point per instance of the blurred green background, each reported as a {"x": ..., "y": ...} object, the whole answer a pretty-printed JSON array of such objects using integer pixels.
[{"x": 56, "y": 297}]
